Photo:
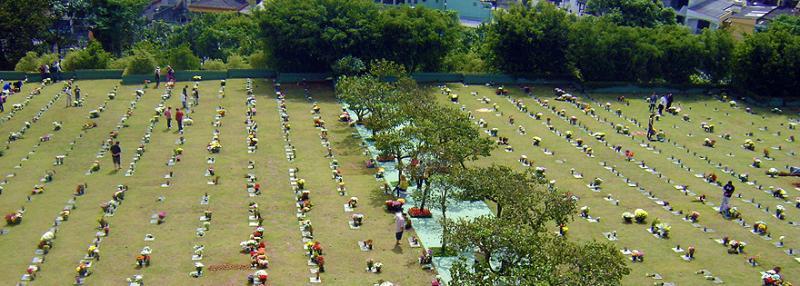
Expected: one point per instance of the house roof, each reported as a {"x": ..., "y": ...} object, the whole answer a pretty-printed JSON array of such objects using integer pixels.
[
  {"x": 777, "y": 12},
  {"x": 754, "y": 12},
  {"x": 231, "y": 5},
  {"x": 712, "y": 8}
]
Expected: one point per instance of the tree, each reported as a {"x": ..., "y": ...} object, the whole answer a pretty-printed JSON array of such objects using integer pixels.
[
  {"x": 529, "y": 40},
  {"x": 443, "y": 194},
  {"x": 498, "y": 184},
  {"x": 767, "y": 63},
  {"x": 141, "y": 62},
  {"x": 182, "y": 58},
  {"x": 786, "y": 22},
  {"x": 24, "y": 22},
  {"x": 28, "y": 63},
  {"x": 218, "y": 35},
  {"x": 214, "y": 65},
  {"x": 349, "y": 65},
  {"x": 115, "y": 22},
  {"x": 418, "y": 38},
  {"x": 717, "y": 54},
  {"x": 93, "y": 57},
  {"x": 635, "y": 13},
  {"x": 236, "y": 61}
]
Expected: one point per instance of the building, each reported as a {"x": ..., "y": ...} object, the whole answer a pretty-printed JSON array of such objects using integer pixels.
[
  {"x": 175, "y": 11},
  {"x": 744, "y": 22},
  {"x": 707, "y": 14},
  {"x": 470, "y": 12}
]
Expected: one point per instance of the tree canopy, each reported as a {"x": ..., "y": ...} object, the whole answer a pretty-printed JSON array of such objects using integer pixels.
[
  {"x": 23, "y": 22},
  {"x": 635, "y": 13}
]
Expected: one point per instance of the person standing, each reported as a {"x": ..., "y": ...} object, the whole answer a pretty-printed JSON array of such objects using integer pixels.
[
  {"x": 2, "y": 101},
  {"x": 68, "y": 91},
  {"x": 184, "y": 98},
  {"x": 196, "y": 96},
  {"x": 653, "y": 99},
  {"x": 727, "y": 193},
  {"x": 116, "y": 155},
  {"x": 157, "y": 76},
  {"x": 168, "y": 115},
  {"x": 77, "y": 93},
  {"x": 650, "y": 130},
  {"x": 170, "y": 73},
  {"x": 179, "y": 120},
  {"x": 57, "y": 69},
  {"x": 399, "y": 227},
  {"x": 662, "y": 102},
  {"x": 669, "y": 100}
]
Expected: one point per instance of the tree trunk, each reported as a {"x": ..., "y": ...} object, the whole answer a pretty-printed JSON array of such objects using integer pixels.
[
  {"x": 499, "y": 209},
  {"x": 425, "y": 195}
]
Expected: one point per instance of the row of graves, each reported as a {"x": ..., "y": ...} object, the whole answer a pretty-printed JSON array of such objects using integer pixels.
[
  {"x": 18, "y": 107},
  {"x": 46, "y": 242},
  {"x": 657, "y": 228},
  {"x": 254, "y": 246}
]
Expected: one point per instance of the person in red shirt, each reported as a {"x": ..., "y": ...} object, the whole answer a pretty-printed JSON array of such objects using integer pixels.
[{"x": 179, "y": 119}]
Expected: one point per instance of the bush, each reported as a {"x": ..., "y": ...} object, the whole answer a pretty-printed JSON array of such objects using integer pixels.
[
  {"x": 28, "y": 63},
  {"x": 182, "y": 58},
  {"x": 258, "y": 60},
  {"x": 349, "y": 66},
  {"x": 214, "y": 65},
  {"x": 120, "y": 63},
  {"x": 236, "y": 62},
  {"x": 141, "y": 62},
  {"x": 93, "y": 57},
  {"x": 47, "y": 59}
]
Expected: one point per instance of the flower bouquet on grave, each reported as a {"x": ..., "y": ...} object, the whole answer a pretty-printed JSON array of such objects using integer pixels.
[
  {"x": 37, "y": 189},
  {"x": 177, "y": 151},
  {"x": 95, "y": 167},
  {"x": 13, "y": 136},
  {"x": 395, "y": 206},
  {"x": 538, "y": 116},
  {"x": 197, "y": 78},
  {"x": 416, "y": 212},
  {"x": 734, "y": 213},
  {"x": 221, "y": 111},
  {"x": 573, "y": 120},
  {"x": 756, "y": 163},
  {"x": 673, "y": 110},
  {"x": 640, "y": 215},
  {"x": 94, "y": 113},
  {"x": 744, "y": 177},
  {"x": 540, "y": 171},
  {"x": 618, "y": 112},
  {"x": 14, "y": 218},
  {"x": 537, "y": 140},
  {"x": 760, "y": 228},
  {"x": 600, "y": 136},
  {"x": 694, "y": 216},
  {"x": 707, "y": 127},
  {"x": 662, "y": 229},
  {"x": 627, "y": 217},
  {"x": 585, "y": 211},
  {"x": 89, "y": 125},
  {"x": 749, "y": 145},
  {"x": 709, "y": 142},
  {"x": 772, "y": 172},
  {"x": 214, "y": 146},
  {"x": 779, "y": 193},
  {"x": 780, "y": 212},
  {"x": 56, "y": 125},
  {"x": 568, "y": 134},
  {"x": 563, "y": 230},
  {"x": 619, "y": 128},
  {"x": 562, "y": 112},
  {"x": 732, "y": 103},
  {"x": 597, "y": 182}
]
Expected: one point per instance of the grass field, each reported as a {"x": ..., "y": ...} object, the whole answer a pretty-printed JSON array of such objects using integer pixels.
[{"x": 345, "y": 263}]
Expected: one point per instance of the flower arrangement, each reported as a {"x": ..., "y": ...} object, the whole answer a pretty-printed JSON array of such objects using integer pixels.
[
  {"x": 540, "y": 171},
  {"x": 597, "y": 182},
  {"x": 756, "y": 163},
  {"x": 95, "y": 167},
  {"x": 579, "y": 141},
  {"x": 14, "y": 218},
  {"x": 568, "y": 134},
  {"x": 744, "y": 177},
  {"x": 139, "y": 92},
  {"x": 600, "y": 136},
  {"x": 627, "y": 217},
  {"x": 419, "y": 213},
  {"x": 779, "y": 193},
  {"x": 619, "y": 127},
  {"x": 772, "y": 172},
  {"x": 749, "y": 145},
  {"x": 56, "y": 125},
  {"x": 573, "y": 120},
  {"x": 661, "y": 229},
  {"x": 562, "y": 112},
  {"x": 709, "y": 142},
  {"x": 177, "y": 151},
  {"x": 673, "y": 110},
  {"x": 734, "y": 213},
  {"x": 760, "y": 228},
  {"x": 214, "y": 146},
  {"x": 112, "y": 95},
  {"x": 537, "y": 140},
  {"x": 780, "y": 212},
  {"x": 221, "y": 111},
  {"x": 538, "y": 116},
  {"x": 640, "y": 215},
  {"x": 585, "y": 211},
  {"x": 563, "y": 229},
  {"x": 89, "y": 125},
  {"x": 661, "y": 135},
  {"x": 694, "y": 216},
  {"x": 732, "y": 103},
  {"x": 707, "y": 127},
  {"x": 619, "y": 112},
  {"x": 197, "y": 78}
]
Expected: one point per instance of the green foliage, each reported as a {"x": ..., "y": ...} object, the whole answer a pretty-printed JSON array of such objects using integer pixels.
[
  {"x": 141, "y": 62},
  {"x": 217, "y": 35},
  {"x": 313, "y": 35},
  {"x": 236, "y": 61},
  {"x": 529, "y": 40},
  {"x": 93, "y": 57},
  {"x": 349, "y": 65},
  {"x": 115, "y": 22},
  {"x": 48, "y": 59},
  {"x": 788, "y": 23},
  {"x": 635, "y": 13},
  {"x": 767, "y": 63},
  {"x": 182, "y": 58},
  {"x": 120, "y": 63},
  {"x": 258, "y": 60},
  {"x": 28, "y": 63},
  {"x": 214, "y": 65},
  {"x": 22, "y": 22},
  {"x": 717, "y": 48}
]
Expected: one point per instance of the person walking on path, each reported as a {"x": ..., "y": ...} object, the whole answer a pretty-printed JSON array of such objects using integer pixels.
[
  {"x": 399, "y": 227},
  {"x": 168, "y": 115},
  {"x": 184, "y": 98},
  {"x": 727, "y": 193},
  {"x": 116, "y": 154},
  {"x": 157, "y": 76},
  {"x": 179, "y": 120}
]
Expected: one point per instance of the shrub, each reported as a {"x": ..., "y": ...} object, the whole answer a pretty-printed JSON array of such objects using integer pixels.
[
  {"x": 93, "y": 57},
  {"x": 120, "y": 63},
  {"x": 258, "y": 60},
  {"x": 349, "y": 66},
  {"x": 141, "y": 62},
  {"x": 47, "y": 59},
  {"x": 28, "y": 63},
  {"x": 214, "y": 65},
  {"x": 237, "y": 62},
  {"x": 182, "y": 58}
]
